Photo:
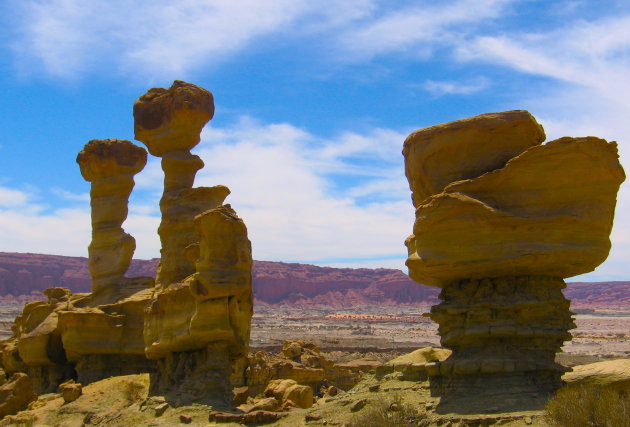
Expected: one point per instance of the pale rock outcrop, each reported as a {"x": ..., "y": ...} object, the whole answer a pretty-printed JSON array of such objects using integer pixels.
[
  {"x": 614, "y": 374},
  {"x": 110, "y": 165},
  {"x": 169, "y": 123},
  {"x": 500, "y": 221}
]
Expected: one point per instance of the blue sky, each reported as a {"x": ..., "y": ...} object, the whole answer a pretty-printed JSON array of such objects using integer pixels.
[{"x": 313, "y": 101}]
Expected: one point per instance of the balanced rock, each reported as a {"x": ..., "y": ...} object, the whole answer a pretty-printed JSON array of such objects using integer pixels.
[
  {"x": 169, "y": 122},
  {"x": 500, "y": 221},
  {"x": 110, "y": 165}
]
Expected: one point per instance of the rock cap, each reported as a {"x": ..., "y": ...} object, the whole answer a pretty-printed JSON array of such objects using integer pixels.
[
  {"x": 171, "y": 119},
  {"x": 104, "y": 158}
]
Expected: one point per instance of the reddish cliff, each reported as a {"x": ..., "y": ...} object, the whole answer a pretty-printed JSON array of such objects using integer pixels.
[{"x": 281, "y": 283}]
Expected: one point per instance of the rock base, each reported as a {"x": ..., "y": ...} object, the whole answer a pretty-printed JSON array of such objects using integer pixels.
[
  {"x": 201, "y": 376},
  {"x": 95, "y": 367},
  {"x": 504, "y": 334}
]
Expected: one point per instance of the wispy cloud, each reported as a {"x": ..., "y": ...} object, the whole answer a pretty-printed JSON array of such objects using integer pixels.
[
  {"x": 156, "y": 39},
  {"x": 420, "y": 27},
  {"x": 440, "y": 88}
]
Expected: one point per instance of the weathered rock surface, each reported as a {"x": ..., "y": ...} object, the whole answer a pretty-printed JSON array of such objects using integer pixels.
[
  {"x": 110, "y": 165},
  {"x": 548, "y": 211},
  {"x": 16, "y": 394},
  {"x": 500, "y": 220}
]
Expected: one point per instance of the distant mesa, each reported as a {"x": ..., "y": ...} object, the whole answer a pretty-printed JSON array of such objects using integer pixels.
[{"x": 501, "y": 220}]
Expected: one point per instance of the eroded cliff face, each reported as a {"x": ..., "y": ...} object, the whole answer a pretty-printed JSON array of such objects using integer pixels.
[
  {"x": 191, "y": 326},
  {"x": 500, "y": 221}
]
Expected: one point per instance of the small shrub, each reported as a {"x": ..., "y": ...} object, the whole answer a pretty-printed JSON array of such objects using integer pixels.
[
  {"x": 589, "y": 406},
  {"x": 134, "y": 390},
  {"x": 386, "y": 413}
]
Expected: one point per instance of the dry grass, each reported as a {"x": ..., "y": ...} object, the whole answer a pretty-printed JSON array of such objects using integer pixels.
[
  {"x": 134, "y": 390},
  {"x": 386, "y": 413},
  {"x": 589, "y": 406}
]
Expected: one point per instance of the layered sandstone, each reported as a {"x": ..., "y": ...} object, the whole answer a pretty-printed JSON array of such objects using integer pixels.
[
  {"x": 206, "y": 319},
  {"x": 110, "y": 165},
  {"x": 500, "y": 221}
]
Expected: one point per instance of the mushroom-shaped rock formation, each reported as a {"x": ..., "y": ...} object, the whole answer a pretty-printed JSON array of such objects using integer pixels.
[
  {"x": 169, "y": 122},
  {"x": 191, "y": 330},
  {"x": 110, "y": 165},
  {"x": 500, "y": 221},
  {"x": 204, "y": 322}
]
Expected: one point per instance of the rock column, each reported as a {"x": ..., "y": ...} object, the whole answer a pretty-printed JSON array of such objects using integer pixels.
[
  {"x": 110, "y": 165},
  {"x": 501, "y": 220},
  {"x": 169, "y": 123}
]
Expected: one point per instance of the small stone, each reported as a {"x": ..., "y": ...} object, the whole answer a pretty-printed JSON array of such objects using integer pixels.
[
  {"x": 374, "y": 387},
  {"x": 70, "y": 391},
  {"x": 358, "y": 405},
  {"x": 159, "y": 410},
  {"x": 394, "y": 407},
  {"x": 332, "y": 391},
  {"x": 528, "y": 420},
  {"x": 312, "y": 417},
  {"x": 185, "y": 419}
]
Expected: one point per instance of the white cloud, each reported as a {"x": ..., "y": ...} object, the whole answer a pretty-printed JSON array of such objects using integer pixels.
[
  {"x": 159, "y": 38},
  {"x": 440, "y": 88},
  {"x": 10, "y": 197},
  {"x": 419, "y": 27}
]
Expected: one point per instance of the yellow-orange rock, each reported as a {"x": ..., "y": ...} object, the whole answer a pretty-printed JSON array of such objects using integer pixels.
[
  {"x": 500, "y": 221},
  {"x": 290, "y": 393},
  {"x": 169, "y": 123},
  {"x": 16, "y": 394},
  {"x": 439, "y": 155},
  {"x": 215, "y": 303},
  {"x": 546, "y": 212},
  {"x": 110, "y": 165},
  {"x": 171, "y": 119}
]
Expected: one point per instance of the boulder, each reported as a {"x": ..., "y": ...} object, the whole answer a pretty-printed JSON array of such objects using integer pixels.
[
  {"x": 70, "y": 391},
  {"x": 16, "y": 394},
  {"x": 290, "y": 392}
]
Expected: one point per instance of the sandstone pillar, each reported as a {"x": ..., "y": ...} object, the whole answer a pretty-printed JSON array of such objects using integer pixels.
[
  {"x": 110, "y": 165},
  {"x": 500, "y": 220},
  {"x": 169, "y": 123}
]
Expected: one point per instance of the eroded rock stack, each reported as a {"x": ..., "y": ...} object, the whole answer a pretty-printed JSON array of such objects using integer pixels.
[
  {"x": 197, "y": 325},
  {"x": 169, "y": 123},
  {"x": 110, "y": 165},
  {"x": 190, "y": 328},
  {"x": 501, "y": 219}
]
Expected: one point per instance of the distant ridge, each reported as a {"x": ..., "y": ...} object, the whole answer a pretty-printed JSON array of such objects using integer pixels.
[{"x": 280, "y": 283}]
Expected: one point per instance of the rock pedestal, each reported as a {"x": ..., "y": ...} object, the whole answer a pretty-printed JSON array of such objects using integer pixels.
[
  {"x": 189, "y": 328},
  {"x": 500, "y": 221},
  {"x": 169, "y": 123},
  {"x": 110, "y": 165}
]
